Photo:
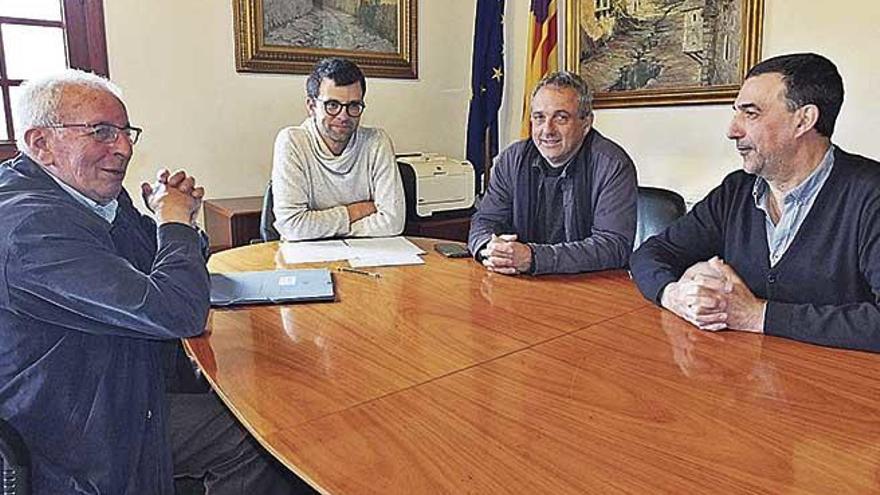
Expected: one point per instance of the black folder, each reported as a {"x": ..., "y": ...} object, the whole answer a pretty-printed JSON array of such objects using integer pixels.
[{"x": 270, "y": 287}]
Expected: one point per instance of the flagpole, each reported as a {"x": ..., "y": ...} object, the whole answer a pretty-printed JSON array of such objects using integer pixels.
[{"x": 487, "y": 160}]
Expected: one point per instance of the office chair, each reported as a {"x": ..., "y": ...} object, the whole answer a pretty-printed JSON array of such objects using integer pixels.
[
  {"x": 16, "y": 461},
  {"x": 657, "y": 209},
  {"x": 267, "y": 217}
]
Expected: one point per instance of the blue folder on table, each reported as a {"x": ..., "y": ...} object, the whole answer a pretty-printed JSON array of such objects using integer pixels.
[{"x": 269, "y": 287}]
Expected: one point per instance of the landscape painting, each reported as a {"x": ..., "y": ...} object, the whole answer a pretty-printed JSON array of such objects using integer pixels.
[
  {"x": 291, "y": 35},
  {"x": 366, "y": 25},
  {"x": 662, "y": 52}
]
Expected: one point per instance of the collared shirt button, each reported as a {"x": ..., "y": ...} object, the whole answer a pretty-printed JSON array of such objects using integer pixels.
[
  {"x": 149, "y": 414},
  {"x": 771, "y": 278}
]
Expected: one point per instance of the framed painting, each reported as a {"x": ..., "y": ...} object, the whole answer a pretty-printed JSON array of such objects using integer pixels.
[
  {"x": 663, "y": 52},
  {"x": 289, "y": 36}
]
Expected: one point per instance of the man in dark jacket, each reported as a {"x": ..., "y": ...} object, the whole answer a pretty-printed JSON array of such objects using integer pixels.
[
  {"x": 790, "y": 245},
  {"x": 563, "y": 201},
  {"x": 91, "y": 294}
]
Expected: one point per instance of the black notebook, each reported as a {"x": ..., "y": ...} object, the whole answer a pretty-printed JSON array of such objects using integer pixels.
[{"x": 278, "y": 286}]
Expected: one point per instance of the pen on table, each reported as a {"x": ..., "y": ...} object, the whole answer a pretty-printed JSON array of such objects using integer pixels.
[{"x": 359, "y": 272}]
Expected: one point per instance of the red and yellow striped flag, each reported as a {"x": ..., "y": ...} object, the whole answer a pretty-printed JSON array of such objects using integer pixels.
[{"x": 542, "y": 57}]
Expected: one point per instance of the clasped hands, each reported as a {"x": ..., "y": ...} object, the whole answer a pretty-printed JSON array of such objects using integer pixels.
[
  {"x": 173, "y": 197},
  {"x": 504, "y": 254},
  {"x": 712, "y": 296}
]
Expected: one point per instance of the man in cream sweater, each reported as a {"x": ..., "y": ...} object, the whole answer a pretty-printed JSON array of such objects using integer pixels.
[{"x": 331, "y": 177}]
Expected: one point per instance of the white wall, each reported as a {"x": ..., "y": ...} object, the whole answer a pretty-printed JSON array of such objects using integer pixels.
[
  {"x": 175, "y": 61},
  {"x": 684, "y": 148}
]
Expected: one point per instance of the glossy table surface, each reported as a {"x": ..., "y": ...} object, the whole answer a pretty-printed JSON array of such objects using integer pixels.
[{"x": 443, "y": 378}]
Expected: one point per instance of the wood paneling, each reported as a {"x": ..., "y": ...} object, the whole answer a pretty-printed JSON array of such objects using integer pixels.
[
  {"x": 444, "y": 225},
  {"x": 232, "y": 222}
]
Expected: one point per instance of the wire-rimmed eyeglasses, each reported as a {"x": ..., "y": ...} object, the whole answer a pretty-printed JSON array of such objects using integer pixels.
[
  {"x": 105, "y": 133},
  {"x": 352, "y": 108}
]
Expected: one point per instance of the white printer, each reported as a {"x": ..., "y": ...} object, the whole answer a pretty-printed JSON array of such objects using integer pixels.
[{"x": 434, "y": 183}]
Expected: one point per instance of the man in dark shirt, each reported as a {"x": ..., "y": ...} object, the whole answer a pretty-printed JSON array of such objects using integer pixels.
[
  {"x": 91, "y": 294},
  {"x": 563, "y": 201},
  {"x": 790, "y": 245}
]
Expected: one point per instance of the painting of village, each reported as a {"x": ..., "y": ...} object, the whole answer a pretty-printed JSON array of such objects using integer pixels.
[
  {"x": 358, "y": 25},
  {"x": 631, "y": 45}
]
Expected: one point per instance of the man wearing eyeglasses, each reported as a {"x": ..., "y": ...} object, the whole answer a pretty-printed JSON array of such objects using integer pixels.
[
  {"x": 563, "y": 201},
  {"x": 93, "y": 296},
  {"x": 332, "y": 177}
]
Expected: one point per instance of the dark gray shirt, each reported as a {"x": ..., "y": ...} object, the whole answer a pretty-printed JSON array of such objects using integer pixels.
[{"x": 551, "y": 225}]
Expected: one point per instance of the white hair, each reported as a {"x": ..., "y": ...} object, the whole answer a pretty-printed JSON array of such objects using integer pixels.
[{"x": 39, "y": 100}]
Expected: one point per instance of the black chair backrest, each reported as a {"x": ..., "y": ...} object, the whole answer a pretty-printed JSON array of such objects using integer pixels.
[
  {"x": 16, "y": 461},
  {"x": 267, "y": 217},
  {"x": 657, "y": 209}
]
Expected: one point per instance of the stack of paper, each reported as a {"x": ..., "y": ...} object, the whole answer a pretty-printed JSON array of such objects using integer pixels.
[{"x": 378, "y": 251}]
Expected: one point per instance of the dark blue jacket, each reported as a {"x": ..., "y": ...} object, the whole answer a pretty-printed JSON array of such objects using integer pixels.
[
  {"x": 85, "y": 310},
  {"x": 826, "y": 287}
]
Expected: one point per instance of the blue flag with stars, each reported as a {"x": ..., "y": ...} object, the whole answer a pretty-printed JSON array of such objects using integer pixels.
[{"x": 487, "y": 85}]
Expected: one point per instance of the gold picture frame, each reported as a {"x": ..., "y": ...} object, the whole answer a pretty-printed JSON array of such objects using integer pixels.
[
  {"x": 289, "y": 36},
  {"x": 636, "y": 53}
]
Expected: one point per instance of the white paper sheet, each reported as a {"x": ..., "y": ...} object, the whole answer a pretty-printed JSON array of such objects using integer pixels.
[
  {"x": 377, "y": 251},
  {"x": 382, "y": 246},
  {"x": 314, "y": 251},
  {"x": 396, "y": 260}
]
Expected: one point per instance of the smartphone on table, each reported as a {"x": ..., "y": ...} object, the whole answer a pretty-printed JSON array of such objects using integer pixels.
[{"x": 452, "y": 250}]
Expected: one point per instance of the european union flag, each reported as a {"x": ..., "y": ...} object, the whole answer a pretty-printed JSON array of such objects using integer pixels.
[{"x": 487, "y": 85}]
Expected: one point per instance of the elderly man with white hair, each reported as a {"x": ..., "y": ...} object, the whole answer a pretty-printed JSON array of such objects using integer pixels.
[{"x": 91, "y": 293}]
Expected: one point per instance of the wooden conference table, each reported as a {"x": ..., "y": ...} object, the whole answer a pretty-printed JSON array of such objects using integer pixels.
[{"x": 443, "y": 378}]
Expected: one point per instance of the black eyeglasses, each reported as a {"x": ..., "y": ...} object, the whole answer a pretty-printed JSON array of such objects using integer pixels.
[
  {"x": 106, "y": 133},
  {"x": 352, "y": 108}
]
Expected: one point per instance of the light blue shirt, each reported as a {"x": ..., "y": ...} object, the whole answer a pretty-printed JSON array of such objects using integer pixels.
[
  {"x": 107, "y": 212},
  {"x": 794, "y": 209}
]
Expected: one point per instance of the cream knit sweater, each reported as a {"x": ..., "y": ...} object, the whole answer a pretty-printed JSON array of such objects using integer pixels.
[{"x": 311, "y": 186}]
